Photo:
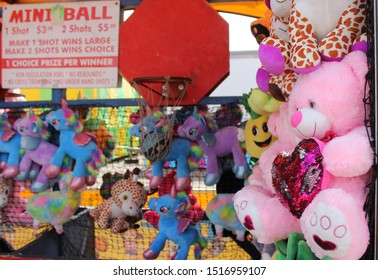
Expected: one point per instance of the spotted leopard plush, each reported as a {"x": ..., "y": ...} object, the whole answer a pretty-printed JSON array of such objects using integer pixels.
[
  {"x": 5, "y": 188},
  {"x": 124, "y": 207}
]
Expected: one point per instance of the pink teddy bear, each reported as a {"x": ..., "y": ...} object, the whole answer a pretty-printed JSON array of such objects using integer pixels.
[
  {"x": 328, "y": 105},
  {"x": 319, "y": 186},
  {"x": 257, "y": 205}
]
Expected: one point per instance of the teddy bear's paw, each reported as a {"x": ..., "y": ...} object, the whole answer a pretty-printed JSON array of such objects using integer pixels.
[
  {"x": 274, "y": 55},
  {"x": 334, "y": 226},
  {"x": 349, "y": 155},
  {"x": 263, "y": 215}
]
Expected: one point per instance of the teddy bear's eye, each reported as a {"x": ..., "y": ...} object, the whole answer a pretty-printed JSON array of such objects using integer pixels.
[
  {"x": 312, "y": 104},
  {"x": 125, "y": 197}
]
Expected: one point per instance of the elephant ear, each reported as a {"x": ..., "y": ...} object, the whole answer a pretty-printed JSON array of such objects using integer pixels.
[{"x": 209, "y": 139}]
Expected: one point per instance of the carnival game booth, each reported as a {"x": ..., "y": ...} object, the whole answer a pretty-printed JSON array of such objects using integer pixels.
[{"x": 160, "y": 169}]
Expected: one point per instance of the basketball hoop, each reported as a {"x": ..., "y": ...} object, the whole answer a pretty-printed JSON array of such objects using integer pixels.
[
  {"x": 155, "y": 90},
  {"x": 158, "y": 97}
]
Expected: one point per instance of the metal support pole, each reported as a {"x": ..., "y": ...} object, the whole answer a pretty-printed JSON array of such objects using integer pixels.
[
  {"x": 56, "y": 98},
  {"x": 375, "y": 40}
]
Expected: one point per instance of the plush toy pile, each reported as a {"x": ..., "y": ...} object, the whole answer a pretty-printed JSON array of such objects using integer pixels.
[
  {"x": 312, "y": 182},
  {"x": 28, "y": 154}
]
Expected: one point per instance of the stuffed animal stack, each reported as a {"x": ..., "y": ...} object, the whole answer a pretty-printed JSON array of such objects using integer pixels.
[
  {"x": 303, "y": 34},
  {"x": 319, "y": 185}
]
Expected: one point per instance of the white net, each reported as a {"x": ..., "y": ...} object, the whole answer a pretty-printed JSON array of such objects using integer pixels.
[{"x": 158, "y": 98}]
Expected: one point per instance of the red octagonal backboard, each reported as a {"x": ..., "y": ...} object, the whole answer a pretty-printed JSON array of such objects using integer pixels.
[{"x": 175, "y": 38}]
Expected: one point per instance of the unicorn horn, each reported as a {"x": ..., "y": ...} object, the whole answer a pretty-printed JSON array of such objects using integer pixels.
[
  {"x": 31, "y": 112},
  {"x": 64, "y": 104},
  {"x": 148, "y": 111},
  {"x": 195, "y": 111}
]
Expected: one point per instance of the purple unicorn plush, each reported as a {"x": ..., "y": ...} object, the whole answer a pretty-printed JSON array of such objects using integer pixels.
[
  {"x": 216, "y": 144},
  {"x": 38, "y": 152}
]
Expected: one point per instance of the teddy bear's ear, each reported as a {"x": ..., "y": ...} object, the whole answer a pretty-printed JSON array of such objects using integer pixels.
[{"x": 357, "y": 60}]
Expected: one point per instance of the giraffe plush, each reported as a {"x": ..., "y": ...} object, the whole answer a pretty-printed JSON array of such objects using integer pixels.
[{"x": 123, "y": 207}]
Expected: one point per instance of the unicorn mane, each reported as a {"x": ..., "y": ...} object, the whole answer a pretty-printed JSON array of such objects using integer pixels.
[
  {"x": 4, "y": 122},
  {"x": 210, "y": 122},
  {"x": 72, "y": 119},
  {"x": 41, "y": 127}
]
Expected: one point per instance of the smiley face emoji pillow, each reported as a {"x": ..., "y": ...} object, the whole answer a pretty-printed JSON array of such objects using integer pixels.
[{"x": 257, "y": 137}]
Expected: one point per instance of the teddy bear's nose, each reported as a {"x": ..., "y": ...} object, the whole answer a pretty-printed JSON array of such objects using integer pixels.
[{"x": 296, "y": 119}]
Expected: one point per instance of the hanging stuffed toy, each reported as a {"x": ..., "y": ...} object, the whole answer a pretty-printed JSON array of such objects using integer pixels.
[
  {"x": 78, "y": 145},
  {"x": 257, "y": 135},
  {"x": 54, "y": 207},
  {"x": 124, "y": 206},
  {"x": 216, "y": 143},
  {"x": 172, "y": 226},
  {"x": 5, "y": 189},
  {"x": 195, "y": 212},
  {"x": 187, "y": 154},
  {"x": 260, "y": 28},
  {"x": 15, "y": 211},
  {"x": 221, "y": 213},
  {"x": 105, "y": 140},
  {"x": 275, "y": 77},
  {"x": 10, "y": 148},
  {"x": 38, "y": 152}
]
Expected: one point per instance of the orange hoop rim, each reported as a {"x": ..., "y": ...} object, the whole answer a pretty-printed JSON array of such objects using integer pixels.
[{"x": 166, "y": 82}]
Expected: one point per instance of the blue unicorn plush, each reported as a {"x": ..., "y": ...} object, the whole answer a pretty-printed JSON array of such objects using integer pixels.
[
  {"x": 78, "y": 145},
  {"x": 172, "y": 226},
  {"x": 10, "y": 152},
  {"x": 38, "y": 152},
  {"x": 186, "y": 153}
]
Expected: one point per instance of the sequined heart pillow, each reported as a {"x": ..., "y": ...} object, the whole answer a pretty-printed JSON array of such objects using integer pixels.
[{"x": 298, "y": 177}]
